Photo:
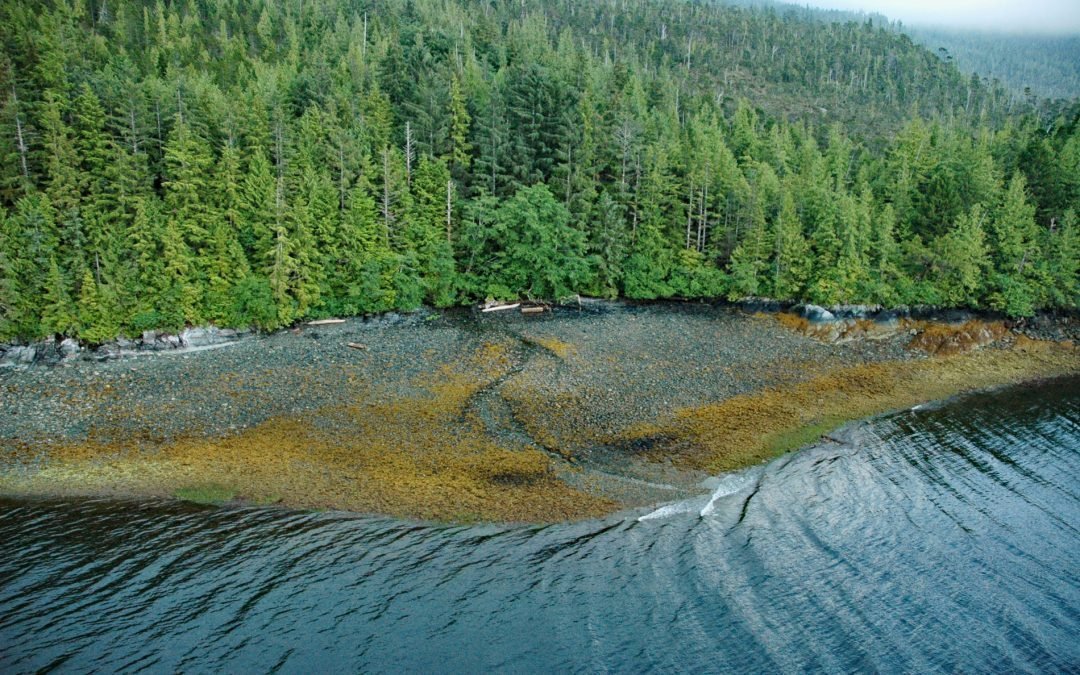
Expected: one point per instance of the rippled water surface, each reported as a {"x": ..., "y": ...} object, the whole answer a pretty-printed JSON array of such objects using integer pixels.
[{"x": 936, "y": 539}]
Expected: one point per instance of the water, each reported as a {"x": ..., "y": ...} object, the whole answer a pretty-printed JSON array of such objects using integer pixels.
[{"x": 937, "y": 539}]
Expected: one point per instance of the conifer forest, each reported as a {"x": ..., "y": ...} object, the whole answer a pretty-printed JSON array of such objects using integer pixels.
[{"x": 260, "y": 162}]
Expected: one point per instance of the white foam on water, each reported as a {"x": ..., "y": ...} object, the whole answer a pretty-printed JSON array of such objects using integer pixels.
[
  {"x": 728, "y": 485},
  {"x": 669, "y": 510},
  {"x": 722, "y": 486}
]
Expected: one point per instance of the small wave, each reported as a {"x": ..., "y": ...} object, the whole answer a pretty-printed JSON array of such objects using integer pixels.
[
  {"x": 723, "y": 486},
  {"x": 728, "y": 485},
  {"x": 669, "y": 510}
]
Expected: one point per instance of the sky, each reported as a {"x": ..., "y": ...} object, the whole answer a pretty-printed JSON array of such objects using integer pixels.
[{"x": 1053, "y": 16}]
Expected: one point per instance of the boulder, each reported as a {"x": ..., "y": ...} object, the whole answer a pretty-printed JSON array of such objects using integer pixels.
[
  {"x": 855, "y": 311},
  {"x": 815, "y": 313},
  {"x": 109, "y": 350},
  {"x": 197, "y": 337},
  {"x": 69, "y": 348},
  {"x": 20, "y": 354},
  {"x": 209, "y": 335},
  {"x": 753, "y": 305}
]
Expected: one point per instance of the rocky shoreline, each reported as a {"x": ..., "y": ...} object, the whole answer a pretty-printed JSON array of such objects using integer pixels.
[
  {"x": 460, "y": 415},
  {"x": 838, "y": 320}
]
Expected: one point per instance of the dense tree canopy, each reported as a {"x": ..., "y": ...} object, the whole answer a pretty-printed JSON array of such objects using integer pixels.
[{"x": 249, "y": 162}]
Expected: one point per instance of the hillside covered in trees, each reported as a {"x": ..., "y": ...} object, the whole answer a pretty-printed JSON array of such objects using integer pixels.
[
  {"x": 255, "y": 162},
  {"x": 1030, "y": 65}
]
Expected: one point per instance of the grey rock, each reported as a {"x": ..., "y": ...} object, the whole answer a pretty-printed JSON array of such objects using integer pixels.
[
  {"x": 855, "y": 311},
  {"x": 195, "y": 337},
  {"x": 109, "y": 350},
  {"x": 149, "y": 337},
  {"x": 815, "y": 313},
  {"x": 20, "y": 354},
  {"x": 208, "y": 335},
  {"x": 69, "y": 348},
  {"x": 760, "y": 305}
]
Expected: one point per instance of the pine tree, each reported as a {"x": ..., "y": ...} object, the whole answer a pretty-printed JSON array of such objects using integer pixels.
[
  {"x": 95, "y": 151},
  {"x": 1016, "y": 253},
  {"x": 259, "y": 210},
  {"x": 60, "y": 157},
  {"x": 58, "y": 311},
  {"x": 97, "y": 319},
  {"x": 607, "y": 245},
  {"x": 369, "y": 262},
  {"x": 424, "y": 232},
  {"x": 460, "y": 148},
  {"x": 791, "y": 253},
  {"x": 963, "y": 260},
  {"x": 63, "y": 185},
  {"x": 181, "y": 294},
  {"x": 146, "y": 252},
  {"x": 1063, "y": 265},
  {"x": 227, "y": 269},
  {"x": 188, "y": 164},
  {"x": 750, "y": 260}
]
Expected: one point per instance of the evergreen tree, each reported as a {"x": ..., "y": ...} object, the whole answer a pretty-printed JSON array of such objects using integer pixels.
[
  {"x": 425, "y": 231},
  {"x": 963, "y": 258},
  {"x": 97, "y": 319},
  {"x": 58, "y": 312},
  {"x": 607, "y": 245},
  {"x": 188, "y": 163},
  {"x": 791, "y": 252},
  {"x": 538, "y": 253},
  {"x": 1064, "y": 261},
  {"x": 261, "y": 164},
  {"x": 1016, "y": 253},
  {"x": 460, "y": 152}
]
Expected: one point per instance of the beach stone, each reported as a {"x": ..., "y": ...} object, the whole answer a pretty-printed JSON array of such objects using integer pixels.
[{"x": 149, "y": 337}]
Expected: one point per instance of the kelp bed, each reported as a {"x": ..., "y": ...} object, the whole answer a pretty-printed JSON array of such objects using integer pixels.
[
  {"x": 424, "y": 457},
  {"x": 746, "y": 430},
  {"x": 480, "y": 438}
]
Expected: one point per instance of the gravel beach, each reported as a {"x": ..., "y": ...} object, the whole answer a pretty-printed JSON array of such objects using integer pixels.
[{"x": 575, "y": 405}]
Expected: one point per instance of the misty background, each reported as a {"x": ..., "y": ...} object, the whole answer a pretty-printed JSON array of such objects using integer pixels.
[{"x": 1058, "y": 17}]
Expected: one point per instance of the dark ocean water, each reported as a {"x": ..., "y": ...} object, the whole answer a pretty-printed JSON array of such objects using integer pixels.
[{"x": 939, "y": 539}]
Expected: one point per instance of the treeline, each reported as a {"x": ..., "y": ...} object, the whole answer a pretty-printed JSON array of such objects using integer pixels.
[{"x": 254, "y": 163}]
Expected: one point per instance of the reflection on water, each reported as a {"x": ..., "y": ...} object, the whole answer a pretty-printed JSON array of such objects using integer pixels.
[{"x": 938, "y": 539}]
